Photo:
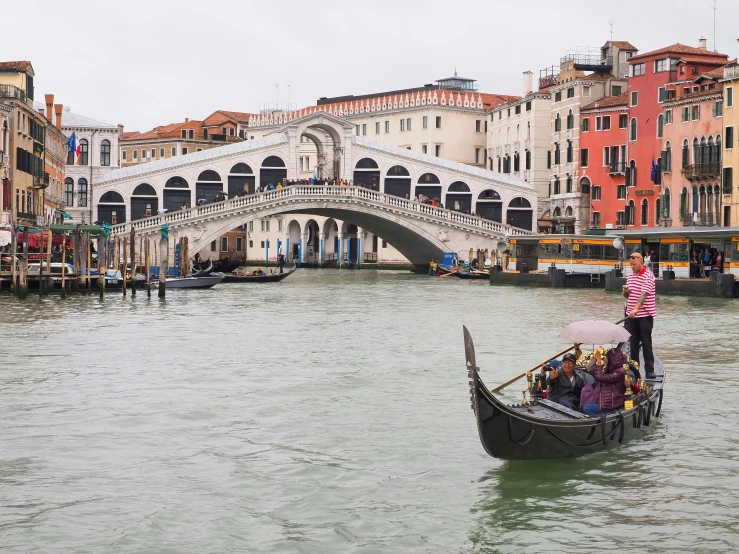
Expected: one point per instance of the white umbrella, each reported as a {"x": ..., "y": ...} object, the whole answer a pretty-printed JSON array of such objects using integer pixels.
[{"x": 595, "y": 332}]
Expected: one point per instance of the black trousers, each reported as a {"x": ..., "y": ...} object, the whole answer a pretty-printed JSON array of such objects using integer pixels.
[{"x": 641, "y": 333}]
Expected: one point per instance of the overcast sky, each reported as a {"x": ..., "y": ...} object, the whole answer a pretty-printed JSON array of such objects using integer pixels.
[{"x": 149, "y": 63}]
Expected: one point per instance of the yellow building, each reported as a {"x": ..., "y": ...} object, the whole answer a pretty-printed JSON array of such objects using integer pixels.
[{"x": 730, "y": 183}]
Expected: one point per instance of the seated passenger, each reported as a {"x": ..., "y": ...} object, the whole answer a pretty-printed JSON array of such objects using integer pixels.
[
  {"x": 609, "y": 383},
  {"x": 565, "y": 386}
]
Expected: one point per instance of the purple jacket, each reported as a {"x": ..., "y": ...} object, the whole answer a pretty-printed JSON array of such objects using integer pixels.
[{"x": 612, "y": 387}]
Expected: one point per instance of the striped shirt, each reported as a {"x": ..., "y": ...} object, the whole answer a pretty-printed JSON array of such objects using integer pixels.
[{"x": 637, "y": 283}]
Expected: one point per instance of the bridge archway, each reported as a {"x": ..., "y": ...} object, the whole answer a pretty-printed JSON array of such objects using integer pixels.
[
  {"x": 458, "y": 197},
  {"x": 292, "y": 241},
  {"x": 489, "y": 205},
  {"x": 240, "y": 179},
  {"x": 398, "y": 181},
  {"x": 208, "y": 185},
  {"x": 311, "y": 241},
  {"x": 273, "y": 171},
  {"x": 519, "y": 213},
  {"x": 428, "y": 185},
  {"x": 336, "y": 133},
  {"x": 176, "y": 193},
  {"x": 367, "y": 173},
  {"x": 144, "y": 201},
  {"x": 112, "y": 208}
]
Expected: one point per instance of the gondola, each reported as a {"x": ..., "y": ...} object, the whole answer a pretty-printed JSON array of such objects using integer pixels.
[
  {"x": 266, "y": 278},
  {"x": 203, "y": 282},
  {"x": 223, "y": 265},
  {"x": 546, "y": 430},
  {"x": 473, "y": 274},
  {"x": 203, "y": 270}
]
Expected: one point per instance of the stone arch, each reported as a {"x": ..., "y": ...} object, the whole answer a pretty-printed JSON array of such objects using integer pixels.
[
  {"x": 144, "y": 202},
  {"x": 311, "y": 240},
  {"x": 272, "y": 171},
  {"x": 293, "y": 234},
  {"x": 176, "y": 194},
  {"x": 241, "y": 180},
  {"x": 585, "y": 184},
  {"x": 397, "y": 181},
  {"x": 111, "y": 208},
  {"x": 367, "y": 172},
  {"x": 520, "y": 213},
  {"x": 428, "y": 185},
  {"x": 458, "y": 197},
  {"x": 489, "y": 205},
  {"x": 208, "y": 186}
]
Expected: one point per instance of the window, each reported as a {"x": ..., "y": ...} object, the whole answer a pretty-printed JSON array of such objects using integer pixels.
[
  {"x": 122, "y": 152},
  {"x": 585, "y": 125},
  {"x": 718, "y": 109},
  {"x": 477, "y": 126},
  {"x": 183, "y": 133},
  {"x": 438, "y": 121},
  {"x": 661, "y": 65},
  {"x": 634, "y": 98},
  {"x": 569, "y": 152},
  {"x": 623, "y": 121},
  {"x": 424, "y": 148},
  {"x": 279, "y": 222},
  {"x": 686, "y": 155},
  {"x": 224, "y": 244},
  {"x": 84, "y": 152},
  {"x": 549, "y": 159},
  {"x": 606, "y": 156},
  {"x": 595, "y": 190},
  {"x": 82, "y": 193},
  {"x": 586, "y": 91},
  {"x": 364, "y": 128},
  {"x": 174, "y": 151},
  {"x": 135, "y": 154},
  {"x": 518, "y": 109},
  {"x": 571, "y": 92},
  {"x": 239, "y": 244},
  {"x": 685, "y": 114},
  {"x": 261, "y": 244},
  {"x": 638, "y": 69},
  {"x": 528, "y": 159},
  {"x": 509, "y": 113},
  {"x": 528, "y": 106},
  {"x": 666, "y": 158},
  {"x": 153, "y": 153},
  {"x": 408, "y": 124},
  {"x": 621, "y": 192},
  {"x": 251, "y": 225},
  {"x": 265, "y": 225},
  {"x": 425, "y": 122},
  {"x": 660, "y": 125},
  {"x": 68, "y": 191},
  {"x": 387, "y": 126},
  {"x": 556, "y": 154},
  {"x": 729, "y": 138},
  {"x": 695, "y": 112},
  {"x": 616, "y": 90},
  {"x": 556, "y": 185},
  {"x": 184, "y": 150},
  {"x": 583, "y": 157},
  {"x": 437, "y": 149},
  {"x": 191, "y": 133},
  {"x": 598, "y": 123},
  {"x": 232, "y": 131},
  {"x": 727, "y": 181},
  {"x": 570, "y": 120},
  {"x": 358, "y": 129},
  {"x": 377, "y": 128},
  {"x": 606, "y": 122},
  {"x": 558, "y": 96},
  {"x": 161, "y": 152},
  {"x": 105, "y": 153},
  {"x": 596, "y": 220},
  {"x": 644, "y": 212},
  {"x": 621, "y": 219},
  {"x": 632, "y": 132},
  {"x": 402, "y": 124},
  {"x": 557, "y": 124},
  {"x": 668, "y": 117},
  {"x": 477, "y": 155},
  {"x": 661, "y": 94},
  {"x": 569, "y": 184},
  {"x": 729, "y": 97}
]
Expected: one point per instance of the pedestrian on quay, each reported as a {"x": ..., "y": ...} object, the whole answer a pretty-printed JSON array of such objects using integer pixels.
[{"x": 639, "y": 292}]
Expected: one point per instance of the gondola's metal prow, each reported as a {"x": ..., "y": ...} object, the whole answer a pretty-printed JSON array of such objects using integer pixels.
[{"x": 472, "y": 369}]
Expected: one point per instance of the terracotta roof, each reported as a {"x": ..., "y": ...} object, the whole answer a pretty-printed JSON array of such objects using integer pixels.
[
  {"x": 700, "y": 93},
  {"x": 493, "y": 100},
  {"x": 241, "y": 117},
  {"x": 128, "y": 135},
  {"x": 701, "y": 61},
  {"x": 717, "y": 73},
  {"x": 608, "y": 102},
  {"x": 680, "y": 49},
  {"x": 22, "y": 66},
  {"x": 623, "y": 45},
  {"x": 219, "y": 117},
  {"x": 165, "y": 131}
]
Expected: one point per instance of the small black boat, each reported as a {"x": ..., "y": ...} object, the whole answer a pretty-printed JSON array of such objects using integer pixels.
[
  {"x": 473, "y": 274},
  {"x": 223, "y": 265},
  {"x": 546, "y": 430},
  {"x": 203, "y": 270},
  {"x": 265, "y": 278}
]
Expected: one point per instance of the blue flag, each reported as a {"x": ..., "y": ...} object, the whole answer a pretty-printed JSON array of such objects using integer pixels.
[{"x": 654, "y": 170}]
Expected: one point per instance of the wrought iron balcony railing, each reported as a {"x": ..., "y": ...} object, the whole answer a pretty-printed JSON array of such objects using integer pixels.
[
  {"x": 617, "y": 168},
  {"x": 700, "y": 219},
  {"x": 704, "y": 170}
]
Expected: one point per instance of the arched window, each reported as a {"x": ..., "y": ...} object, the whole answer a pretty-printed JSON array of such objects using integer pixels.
[
  {"x": 686, "y": 154},
  {"x": 557, "y": 123},
  {"x": 528, "y": 159},
  {"x": 397, "y": 171},
  {"x": 631, "y": 175},
  {"x": 242, "y": 168},
  {"x": 69, "y": 191},
  {"x": 632, "y": 131},
  {"x": 695, "y": 208},
  {"x": 273, "y": 161},
  {"x": 717, "y": 157},
  {"x": 570, "y": 120},
  {"x": 459, "y": 186},
  {"x": 667, "y": 158},
  {"x": 585, "y": 187},
  {"x": 557, "y": 212},
  {"x": 696, "y": 151},
  {"x": 568, "y": 211},
  {"x": 556, "y": 185},
  {"x": 569, "y": 151},
  {"x": 569, "y": 184},
  {"x": 660, "y": 125},
  {"x": 630, "y": 209},
  {"x": 644, "y": 212},
  {"x": 528, "y": 130},
  {"x": 667, "y": 205},
  {"x": 516, "y": 162},
  {"x": 84, "y": 152},
  {"x": 366, "y": 163},
  {"x": 82, "y": 193},
  {"x": 105, "y": 152},
  {"x": 428, "y": 179},
  {"x": 684, "y": 203}
]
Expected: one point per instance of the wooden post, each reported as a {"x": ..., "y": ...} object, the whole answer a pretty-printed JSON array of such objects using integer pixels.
[
  {"x": 64, "y": 264},
  {"x": 147, "y": 267},
  {"x": 185, "y": 256},
  {"x": 88, "y": 284},
  {"x": 133, "y": 261},
  {"x": 23, "y": 281},
  {"x": 48, "y": 262},
  {"x": 41, "y": 264},
  {"x": 125, "y": 263},
  {"x": 163, "y": 265},
  {"x": 75, "y": 258},
  {"x": 14, "y": 260},
  {"x": 101, "y": 264}
]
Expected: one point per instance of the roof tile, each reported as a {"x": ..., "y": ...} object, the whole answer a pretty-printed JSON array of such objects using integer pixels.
[{"x": 678, "y": 48}]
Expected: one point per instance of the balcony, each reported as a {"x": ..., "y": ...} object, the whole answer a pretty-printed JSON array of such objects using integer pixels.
[
  {"x": 25, "y": 218},
  {"x": 617, "y": 168},
  {"x": 705, "y": 219},
  {"x": 586, "y": 58},
  {"x": 11, "y": 91},
  {"x": 568, "y": 134},
  {"x": 555, "y": 136},
  {"x": 731, "y": 72},
  {"x": 41, "y": 180},
  {"x": 703, "y": 171}
]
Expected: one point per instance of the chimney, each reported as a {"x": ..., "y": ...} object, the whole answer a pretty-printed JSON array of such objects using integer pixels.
[
  {"x": 58, "y": 110},
  {"x": 737, "y": 50},
  {"x": 702, "y": 44},
  {"x": 49, "y": 103},
  {"x": 528, "y": 82},
  {"x": 186, "y": 120}
]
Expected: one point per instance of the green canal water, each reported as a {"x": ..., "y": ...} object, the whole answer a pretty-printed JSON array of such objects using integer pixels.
[{"x": 331, "y": 413}]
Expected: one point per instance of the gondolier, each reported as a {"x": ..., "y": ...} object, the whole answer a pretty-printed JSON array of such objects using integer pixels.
[{"x": 640, "y": 307}]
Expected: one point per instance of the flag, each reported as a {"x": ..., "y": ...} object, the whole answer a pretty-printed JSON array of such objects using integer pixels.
[
  {"x": 65, "y": 215},
  {"x": 73, "y": 146},
  {"x": 654, "y": 171}
]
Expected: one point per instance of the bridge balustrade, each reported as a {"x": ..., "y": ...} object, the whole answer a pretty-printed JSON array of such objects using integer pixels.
[{"x": 298, "y": 191}]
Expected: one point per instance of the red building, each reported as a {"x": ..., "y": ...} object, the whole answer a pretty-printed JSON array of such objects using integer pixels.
[
  {"x": 649, "y": 73},
  {"x": 603, "y": 159}
]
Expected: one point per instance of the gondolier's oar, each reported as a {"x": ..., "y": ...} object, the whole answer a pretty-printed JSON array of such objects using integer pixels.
[{"x": 557, "y": 355}]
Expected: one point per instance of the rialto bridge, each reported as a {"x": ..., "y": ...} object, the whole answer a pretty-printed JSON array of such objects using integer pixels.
[{"x": 153, "y": 193}]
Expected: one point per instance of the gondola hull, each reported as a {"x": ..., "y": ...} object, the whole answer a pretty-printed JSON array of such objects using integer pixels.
[
  {"x": 472, "y": 275},
  {"x": 268, "y": 278},
  {"x": 543, "y": 430}
]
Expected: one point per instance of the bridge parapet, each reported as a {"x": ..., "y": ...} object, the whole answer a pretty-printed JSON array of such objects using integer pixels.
[{"x": 298, "y": 193}]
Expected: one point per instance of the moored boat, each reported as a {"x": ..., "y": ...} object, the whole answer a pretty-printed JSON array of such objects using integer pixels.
[
  {"x": 542, "y": 429},
  {"x": 473, "y": 274},
  {"x": 264, "y": 278},
  {"x": 204, "y": 282}
]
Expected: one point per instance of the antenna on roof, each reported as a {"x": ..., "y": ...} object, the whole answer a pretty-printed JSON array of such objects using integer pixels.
[
  {"x": 714, "y": 25},
  {"x": 610, "y": 24},
  {"x": 277, "y": 86}
]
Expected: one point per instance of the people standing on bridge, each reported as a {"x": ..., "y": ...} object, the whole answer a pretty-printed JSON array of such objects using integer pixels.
[{"x": 639, "y": 292}]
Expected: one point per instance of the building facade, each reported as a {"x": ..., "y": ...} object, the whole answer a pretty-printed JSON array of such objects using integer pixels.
[
  {"x": 729, "y": 181},
  {"x": 55, "y": 146},
  {"x": 6, "y": 201}
]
